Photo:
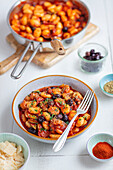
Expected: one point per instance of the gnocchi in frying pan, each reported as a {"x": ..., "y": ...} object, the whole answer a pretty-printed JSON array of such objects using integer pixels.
[{"x": 41, "y": 20}]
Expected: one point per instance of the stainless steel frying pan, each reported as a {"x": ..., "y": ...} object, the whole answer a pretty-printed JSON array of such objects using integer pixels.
[{"x": 57, "y": 45}]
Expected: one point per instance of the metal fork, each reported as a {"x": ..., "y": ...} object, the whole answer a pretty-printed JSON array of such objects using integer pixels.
[{"x": 83, "y": 107}]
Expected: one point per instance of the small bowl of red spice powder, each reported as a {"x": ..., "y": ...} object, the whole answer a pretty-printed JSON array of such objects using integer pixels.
[{"x": 100, "y": 147}]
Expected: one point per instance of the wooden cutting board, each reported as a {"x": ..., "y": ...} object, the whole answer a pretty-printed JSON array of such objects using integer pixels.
[{"x": 44, "y": 59}]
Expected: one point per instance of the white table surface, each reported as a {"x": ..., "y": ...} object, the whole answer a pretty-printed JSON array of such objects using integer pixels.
[{"x": 74, "y": 155}]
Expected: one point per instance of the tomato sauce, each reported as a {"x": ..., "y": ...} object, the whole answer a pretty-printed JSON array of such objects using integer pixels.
[{"x": 46, "y": 112}]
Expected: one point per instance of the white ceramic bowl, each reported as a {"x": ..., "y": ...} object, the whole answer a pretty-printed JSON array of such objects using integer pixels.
[
  {"x": 100, "y": 137},
  {"x": 51, "y": 81},
  {"x": 11, "y": 137}
]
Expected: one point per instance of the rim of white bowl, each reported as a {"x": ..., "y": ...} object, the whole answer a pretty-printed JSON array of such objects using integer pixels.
[{"x": 94, "y": 157}]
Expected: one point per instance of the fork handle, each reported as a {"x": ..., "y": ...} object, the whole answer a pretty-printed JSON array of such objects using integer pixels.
[{"x": 62, "y": 139}]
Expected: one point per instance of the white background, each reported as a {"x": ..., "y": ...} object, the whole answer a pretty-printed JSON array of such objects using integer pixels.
[{"x": 74, "y": 155}]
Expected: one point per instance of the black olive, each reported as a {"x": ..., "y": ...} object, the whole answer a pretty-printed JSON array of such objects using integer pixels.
[
  {"x": 33, "y": 28},
  {"x": 97, "y": 57},
  {"x": 31, "y": 130},
  {"x": 53, "y": 87},
  {"x": 40, "y": 119},
  {"x": 65, "y": 29},
  {"x": 82, "y": 15},
  {"x": 78, "y": 19},
  {"x": 98, "y": 54},
  {"x": 56, "y": 96},
  {"x": 50, "y": 102},
  {"x": 93, "y": 56},
  {"x": 87, "y": 53},
  {"x": 65, "y": 118},
  {"x": 92, "y": 51},
  {"x": 88, "y": 57},
  {"x": 69, "y": 102},
  {"x": 53, "y": 97},
  {"x": 59, "y": 116}
]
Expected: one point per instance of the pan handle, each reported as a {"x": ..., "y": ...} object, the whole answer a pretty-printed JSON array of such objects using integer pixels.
[
  {"x": 57, "y": 46},
  {"x": 27, "y": 62}
]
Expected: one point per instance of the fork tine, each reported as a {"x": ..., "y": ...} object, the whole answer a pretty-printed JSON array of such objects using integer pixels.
[
  {"x": 89, "y": 101},
  {"x": 83, "y": 100},
  {"x": 84, "y": 103},
  {"x": 89, "y": 97}
]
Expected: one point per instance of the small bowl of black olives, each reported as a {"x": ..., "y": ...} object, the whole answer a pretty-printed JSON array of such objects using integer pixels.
[{"x": 92, "y": 57}]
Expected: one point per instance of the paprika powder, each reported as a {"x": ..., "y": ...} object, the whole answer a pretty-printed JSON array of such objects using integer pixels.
[{"x": 103, "y": 150}]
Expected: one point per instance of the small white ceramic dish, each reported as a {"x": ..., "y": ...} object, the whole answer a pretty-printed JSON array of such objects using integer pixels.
[
  {"x": 103, "y": 81},
  {"x": 51, "y": 81},
  {"x": 93, "y": 140},
  {"x": 11, "y": 137}
]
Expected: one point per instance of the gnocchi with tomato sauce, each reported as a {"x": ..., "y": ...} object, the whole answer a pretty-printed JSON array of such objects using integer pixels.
[
  {"x": 42, "y": 20},
  {"x": 46, "y": 112}
]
